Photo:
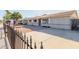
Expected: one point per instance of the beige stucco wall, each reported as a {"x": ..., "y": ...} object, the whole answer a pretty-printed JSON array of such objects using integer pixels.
[
  {"x": 33, "y": 23},
  {"x": 60, "y": 23},
  {"x": 29, "y": 23}
]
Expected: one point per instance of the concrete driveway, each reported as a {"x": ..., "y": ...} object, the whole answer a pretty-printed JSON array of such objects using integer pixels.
[
  {"x": 67, "y": 34},
  {"x": 54, "y": 38},
  {"x": 34, "y": 28}
]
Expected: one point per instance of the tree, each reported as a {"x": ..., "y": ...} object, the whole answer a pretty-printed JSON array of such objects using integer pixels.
[
  {"x": 7, "y": 16},
  {"x": 16, "y": 16}
]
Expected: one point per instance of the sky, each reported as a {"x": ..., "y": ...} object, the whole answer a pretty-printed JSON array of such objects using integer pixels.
[{"x": 32, "y": 13}]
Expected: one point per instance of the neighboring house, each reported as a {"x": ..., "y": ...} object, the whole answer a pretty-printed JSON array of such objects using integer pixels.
[
  {"x": 63, "y": 20},
  {"x": 22, "y": 21}
]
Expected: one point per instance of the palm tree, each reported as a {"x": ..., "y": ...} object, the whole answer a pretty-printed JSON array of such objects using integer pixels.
[
  {"x": 16, "y": 16},
  {"x": 7, "y": 16}
]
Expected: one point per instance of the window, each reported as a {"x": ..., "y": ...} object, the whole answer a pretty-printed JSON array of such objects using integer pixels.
[
  {"x": 30, "y": 20},
  {"x": 35, "y": 20},
  {"x": 45, "y": 21}
]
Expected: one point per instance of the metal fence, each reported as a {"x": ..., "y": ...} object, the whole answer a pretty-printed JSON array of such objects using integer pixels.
[{"x": 19, "y": 40}]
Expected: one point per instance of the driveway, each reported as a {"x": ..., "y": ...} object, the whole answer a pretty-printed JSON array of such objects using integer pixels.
[
  {"x": 34, "y": 28},
  {"x": 72, "y": 35},
  {"x": 54, "y": 38},
  {"x": 67, "y": 34}
]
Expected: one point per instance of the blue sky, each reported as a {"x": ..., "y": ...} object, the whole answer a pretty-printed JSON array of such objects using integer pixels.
[{"x": 31, "y": 13}]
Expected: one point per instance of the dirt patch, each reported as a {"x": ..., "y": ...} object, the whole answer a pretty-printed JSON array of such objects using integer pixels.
[{"x": 24, "y": 30}]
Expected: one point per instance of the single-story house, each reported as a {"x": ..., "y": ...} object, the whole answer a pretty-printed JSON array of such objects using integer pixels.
[
  {"x": 22, "y": 21},
  {"x": 63, "y": 20}
]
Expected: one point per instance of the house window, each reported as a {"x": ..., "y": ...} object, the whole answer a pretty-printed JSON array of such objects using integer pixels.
[
  {"x": 45, "y": 21},
  {"x": 35, "y": 20},
  {"x": 30, "y": 20}
]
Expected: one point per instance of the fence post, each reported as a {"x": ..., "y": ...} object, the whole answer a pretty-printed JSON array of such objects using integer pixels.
[
  {"x": 30, "y": 42},
  {"x": 35, "y": 45},
  {"x": 1, "y": 34},
  {"x": 41, "y": 47},
  {"x": 27, "y": 42},
  {"x": 24, "y": 41},
  {"x": 20, "y": 39},
  {"x": 4, "y": 26},
  {"x": 12, "y": 38}
]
